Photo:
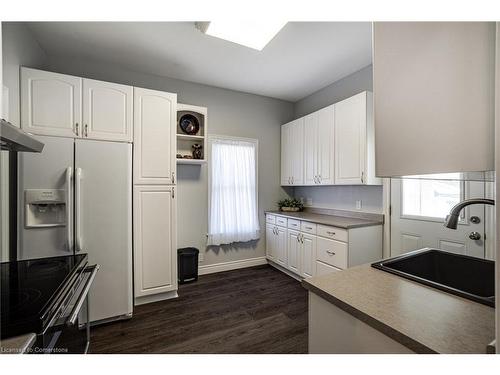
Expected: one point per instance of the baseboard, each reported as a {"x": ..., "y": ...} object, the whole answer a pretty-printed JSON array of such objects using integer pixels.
[
  {"x": 155, "y": 298},
  {"x": 233, "y": 265}
]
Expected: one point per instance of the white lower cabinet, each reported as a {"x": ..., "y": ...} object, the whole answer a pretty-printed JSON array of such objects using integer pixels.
[
  {"x": 294, "y": 251},
  {"x": 311, "y": 249},
  {"x": 155, "y": 255},
  {"x": 308, "y": 255}
]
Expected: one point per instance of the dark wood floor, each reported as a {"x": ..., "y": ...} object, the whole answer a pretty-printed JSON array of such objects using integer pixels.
[{"x": 251, "y": 310}]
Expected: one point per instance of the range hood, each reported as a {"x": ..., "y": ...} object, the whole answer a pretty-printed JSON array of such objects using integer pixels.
[{"x": 14, "y": 139}]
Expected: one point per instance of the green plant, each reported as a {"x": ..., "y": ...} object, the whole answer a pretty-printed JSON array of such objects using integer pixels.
[{"x": 290, "y": 202}]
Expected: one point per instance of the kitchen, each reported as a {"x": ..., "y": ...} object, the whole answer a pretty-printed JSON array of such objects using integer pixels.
[{"x": 283, "y": 190}]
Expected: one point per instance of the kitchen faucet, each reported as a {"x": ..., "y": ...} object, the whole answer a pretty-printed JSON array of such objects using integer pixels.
[{"x": 451, "y": 220}]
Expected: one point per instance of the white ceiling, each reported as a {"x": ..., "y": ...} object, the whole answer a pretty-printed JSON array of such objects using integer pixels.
[{"x": 303, "y": 58}]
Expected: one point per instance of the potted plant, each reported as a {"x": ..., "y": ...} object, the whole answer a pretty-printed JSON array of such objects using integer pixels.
[{"x": 290, "y": 205}]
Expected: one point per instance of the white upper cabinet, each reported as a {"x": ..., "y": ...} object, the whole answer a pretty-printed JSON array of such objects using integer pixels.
[
  {"x": 154, "y": 136},
  {"x": 311, "y": 149},
  {"x": 334, "y": 146},
  {"x": 286, "y": 162},
  {"x": 297, "y": 152},
  {"x": 434, "y": 97},
  {"x": 354, "y": 141},
  {"x": 326, "y": 146},
  {"x": 50, "y": 103},
  {"x": 67, "y": 106},
  {"x": 107, "y": 111},
  {"x": 319, "y": 147},
  {"x": 292, "y": 153}
]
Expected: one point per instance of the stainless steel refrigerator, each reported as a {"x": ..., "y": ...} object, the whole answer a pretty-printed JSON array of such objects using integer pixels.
[{"x": 76, "y": 197}]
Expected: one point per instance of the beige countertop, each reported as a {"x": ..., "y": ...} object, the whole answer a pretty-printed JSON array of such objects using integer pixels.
[
  {"x": 333, "y": 220},
  {"x": 18, "y": 344},
  {"x": 421, "y": 318}
]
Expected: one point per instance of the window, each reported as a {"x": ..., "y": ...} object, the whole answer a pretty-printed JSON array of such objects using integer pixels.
[
  {"x": 232, "y": 190},
  {"x": 430, "y": 199}
]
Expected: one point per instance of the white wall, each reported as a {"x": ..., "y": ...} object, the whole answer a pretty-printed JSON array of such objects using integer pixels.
[
  {"x": 229, "y": 113},
  {"x": 340, "y": 197}
]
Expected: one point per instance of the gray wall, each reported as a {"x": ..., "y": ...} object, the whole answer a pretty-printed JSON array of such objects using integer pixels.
[
  {"x": 355, "y": 83},
  {"x": 19, "y": 48},
  {"x": 341, "y": 197},
  {"x": 229, "y": 113}
]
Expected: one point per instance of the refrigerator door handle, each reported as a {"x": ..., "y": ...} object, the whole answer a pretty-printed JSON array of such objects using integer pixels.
[
  {"x": 78, "y": 208},
  {"x": 69, "y": 221}
]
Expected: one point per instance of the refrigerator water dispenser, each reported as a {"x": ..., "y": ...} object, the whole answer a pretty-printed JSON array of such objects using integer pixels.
[{"x": 44, "y": 208}]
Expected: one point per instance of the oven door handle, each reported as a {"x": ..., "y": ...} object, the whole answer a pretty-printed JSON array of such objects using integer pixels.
[{"x": 78, "y": 305}]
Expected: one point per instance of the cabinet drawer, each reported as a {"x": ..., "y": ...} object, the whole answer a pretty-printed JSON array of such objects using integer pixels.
[
  {"x": 281, "y": 221},
  {"x": 332, "y": 252},
  {"x": 271, "y": 219},
  {"x": 325, "y": 269},
  {"x": 332, "y": 232},
  {"x": 294, "y": 224},
  {"x": 308, "y": 227}
]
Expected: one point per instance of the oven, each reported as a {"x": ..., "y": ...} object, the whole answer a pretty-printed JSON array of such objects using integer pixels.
[{"x": 68, "y": 328}]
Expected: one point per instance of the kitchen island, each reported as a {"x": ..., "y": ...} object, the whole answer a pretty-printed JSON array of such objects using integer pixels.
[{"x": 365, "y": 310}]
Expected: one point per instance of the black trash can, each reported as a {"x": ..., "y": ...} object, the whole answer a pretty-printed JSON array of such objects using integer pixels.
[{"x": 187, "y": 264}]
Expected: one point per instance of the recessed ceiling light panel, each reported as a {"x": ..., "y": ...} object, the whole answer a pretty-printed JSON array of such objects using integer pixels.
[{"x": 253, "y": 34}]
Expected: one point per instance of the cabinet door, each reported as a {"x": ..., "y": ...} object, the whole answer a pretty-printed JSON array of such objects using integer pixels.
[
  {"x": 281, "y": 246},
  {"x": 107, "y": 111},
  {"x": 326, "y": 146},
  {"x": 270, "y": 242},
  {"x": 350, "y": 140},
  {"x": 311, "y": 149},
  {"x": 155, "y": 255},
  {"x": 154, "y": 136},
  {"x": 50, "y": 103},
  {"x": 293, "y": 251},
  {"x": 308, "y": 255},
  {"x": 297, "y": 151},
  {"x": 286, "y": 174}
]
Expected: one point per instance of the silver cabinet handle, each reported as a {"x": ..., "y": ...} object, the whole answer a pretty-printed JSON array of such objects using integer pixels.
[
  {"x": 86, "y": 130},
  {"x": 289, "y": 183},
  {"x": 319, "y": 179},
  {"x": 77, "y": 129},
  {"x": 173, "y": 193},
  {"x": 302, "y": 238},
  {"x": 292, "y": 180},
  {"x": 330, "y": 252},
  {"x": 309, "y": 228},
  {"x": 331, "y": 233},
  {"x": 173, "y": 177},
  {"x": 362, "y": 177},
  {"x": 83, "y": 295}
]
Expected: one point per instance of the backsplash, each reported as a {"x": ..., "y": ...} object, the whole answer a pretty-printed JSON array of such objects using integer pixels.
[{"x": 342, "y": 197}]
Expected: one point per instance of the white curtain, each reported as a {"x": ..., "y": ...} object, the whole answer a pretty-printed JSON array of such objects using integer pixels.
[{"x": 233, "y": 191}]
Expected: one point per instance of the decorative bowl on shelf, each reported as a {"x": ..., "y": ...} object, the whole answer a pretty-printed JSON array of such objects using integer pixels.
[
  {"x": 189, "y": 124},
  {"x": 290, "y": 209}
]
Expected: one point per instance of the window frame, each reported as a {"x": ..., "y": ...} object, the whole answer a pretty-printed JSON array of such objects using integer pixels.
[
  {"x": 463, "y": 216},
  {"x": 210, "y": 139}
]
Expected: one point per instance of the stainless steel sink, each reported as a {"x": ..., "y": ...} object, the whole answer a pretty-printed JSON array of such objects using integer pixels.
[{"x": 465, "y": 276}]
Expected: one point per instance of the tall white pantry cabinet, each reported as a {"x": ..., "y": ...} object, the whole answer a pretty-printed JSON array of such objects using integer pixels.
[{"x": 155, "y": 204}]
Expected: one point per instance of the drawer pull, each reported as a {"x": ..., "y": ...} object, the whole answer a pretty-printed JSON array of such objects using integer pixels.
[
  {"x": 330, "y": 233},
  {"x": 330, "y": 252},
  {"x": 309, "y": 228}
]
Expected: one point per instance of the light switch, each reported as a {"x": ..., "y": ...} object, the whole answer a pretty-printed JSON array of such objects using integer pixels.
[
  {"x": 358, "y": 205},
  {"x": 309, "y": 201}
]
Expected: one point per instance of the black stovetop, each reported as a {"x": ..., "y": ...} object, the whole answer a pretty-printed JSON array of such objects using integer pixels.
[{"x": 30, "y": 290}]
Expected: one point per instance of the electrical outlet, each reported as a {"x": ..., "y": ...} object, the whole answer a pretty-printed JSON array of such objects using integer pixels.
[
  {"x": 358, "y": 205},
  {"x": 309, "y": 201}
]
